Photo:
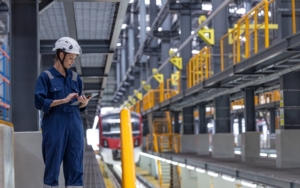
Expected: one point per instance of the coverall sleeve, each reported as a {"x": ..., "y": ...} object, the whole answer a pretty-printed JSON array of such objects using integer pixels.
[
  {"x": 80, "y": 85},
  {"x": 41, "y": 90}
]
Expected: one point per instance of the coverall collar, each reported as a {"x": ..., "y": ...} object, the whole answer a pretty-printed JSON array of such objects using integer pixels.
[{"x": 57, "y": 73}]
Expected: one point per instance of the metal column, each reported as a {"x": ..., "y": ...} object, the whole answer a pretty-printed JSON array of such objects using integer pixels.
[
  {"x": 165, "y": 47},
  {"x": 188, "y": 120},
  {"x": 272, "y": 120},
  {"x": 249, "y": 112},
  {"x": 220, "y": 25},
  {"x": 118, "y": 75},
  {"x": 186, "y": 52},
  {"x": 202, "y": 118},
  {"x": 222, "y": 114},
  {"x": 290, "y": 101},
  {"x": 240, "y": 117},
  {"x": 153, "y": 56},
  {"x": 24, "y": 63},
  {"x": 143, "y": 26},
  {"x": 176, "y": 122}
]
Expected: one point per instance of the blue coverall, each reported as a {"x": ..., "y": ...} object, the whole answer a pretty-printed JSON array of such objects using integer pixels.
[{"x": 62, "y": 128}]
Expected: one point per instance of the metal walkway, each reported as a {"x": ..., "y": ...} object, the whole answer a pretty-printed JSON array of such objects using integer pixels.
[{"x": 92, "y": 175}]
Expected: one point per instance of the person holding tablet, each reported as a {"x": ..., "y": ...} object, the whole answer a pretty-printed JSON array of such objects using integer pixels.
[{"x": 62, "y": 130}]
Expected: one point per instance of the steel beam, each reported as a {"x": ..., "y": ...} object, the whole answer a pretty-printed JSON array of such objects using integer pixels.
[
  {"x": 24, "y": 63},
  {"x": 87, "y": 46},
  {"x": 70, "y": 19},
  {"x": 44, "y": 5},
  {"x": 93, "y": 72}
]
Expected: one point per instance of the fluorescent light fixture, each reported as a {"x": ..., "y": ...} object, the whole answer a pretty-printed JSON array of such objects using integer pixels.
[
  {"x": 238, "y": 152},
  {"x": 174, "y": 163},
  {"x": 206, "y": 6},
  {"x": 124, "y": 26},
  {"x": 248, "y": 184},
  {"x": 181, "y": 165},
  {"x": 212, "y": 174},
  {"x": 162, "y": 159},
  {"x": 195, "y": 52},
  {"x": 200, "y": 170},
  {"x": 273, "y": 155},
  {"x": 190, "y": 167},
  {"x": 228, "y": 178},
  {"x": 263, "y": 154},
  {"x": 241, "y": 11},
  {"x": 119, "y": 44},
  {"x": 159, "y": 29},
  {"x": 158, "y": 2},
  {"x": 148, "y": 28}
]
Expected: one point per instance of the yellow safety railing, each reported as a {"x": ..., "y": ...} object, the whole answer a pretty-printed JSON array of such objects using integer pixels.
[
  {"x": 167, "y": 142},
  {"x": 127, "y": 156},
  {"x": 263, "y": 98},
  {"x": 156, "y": 96},
  {"x": 246, "y": 37},
  {"x": 138, "y": 107},
  {"x": 268, "y": 97},
  {"x": 199, "y": 67}
]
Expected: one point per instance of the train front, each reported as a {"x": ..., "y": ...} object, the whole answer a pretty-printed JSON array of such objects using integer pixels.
[{"x": 109, "y": 135}]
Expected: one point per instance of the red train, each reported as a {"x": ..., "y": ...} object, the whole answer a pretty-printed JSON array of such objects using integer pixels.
[{"x": 109, "y": 136}]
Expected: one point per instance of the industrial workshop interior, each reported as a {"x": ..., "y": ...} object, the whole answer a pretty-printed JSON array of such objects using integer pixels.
[{"x": 166, "y": 94}]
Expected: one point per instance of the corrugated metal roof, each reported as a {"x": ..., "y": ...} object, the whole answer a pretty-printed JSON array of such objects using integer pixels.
[
  {"x": 93, "y": 60},
  {"x": 53, "y": 23},
  {"x": 94, "y": 20}
]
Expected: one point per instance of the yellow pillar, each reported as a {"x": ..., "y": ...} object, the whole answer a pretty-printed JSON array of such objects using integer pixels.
[{"x": 127, "y": 157}]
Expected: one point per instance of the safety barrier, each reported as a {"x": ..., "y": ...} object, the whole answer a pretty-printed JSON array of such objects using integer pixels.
[
  {"x": 263, "y": 98},
  {"x": 244, "y": 39},
  {"x": 199, "y": 67},
  {"x": 7, "y": 177},
  {"x": 127, "y": 155},
  {"x": 156, "y": 96}
]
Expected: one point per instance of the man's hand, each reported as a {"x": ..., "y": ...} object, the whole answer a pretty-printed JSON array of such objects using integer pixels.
[
  {"x": 70, "y": 97},
  {"x": 83, "y": 101}
]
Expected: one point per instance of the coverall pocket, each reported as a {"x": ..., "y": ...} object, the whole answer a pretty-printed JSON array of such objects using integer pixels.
[{"x": 55, "y": 88}]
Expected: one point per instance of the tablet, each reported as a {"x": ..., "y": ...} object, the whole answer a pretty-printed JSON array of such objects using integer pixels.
[{"x": 77, "y": 102}]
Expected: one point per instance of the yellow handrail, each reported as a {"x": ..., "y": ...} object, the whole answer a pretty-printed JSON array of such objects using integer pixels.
[
  {"x": 199, "y": 67},
  {"x": 127, "y": 156},
  {"x": 238, "y": 43}
]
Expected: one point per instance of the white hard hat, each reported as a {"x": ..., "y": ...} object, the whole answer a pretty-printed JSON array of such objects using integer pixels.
[{"x": 67, "y": 45}]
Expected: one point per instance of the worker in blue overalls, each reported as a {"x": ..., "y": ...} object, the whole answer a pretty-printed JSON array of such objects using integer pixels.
[{"x": 62, "y": 130}]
